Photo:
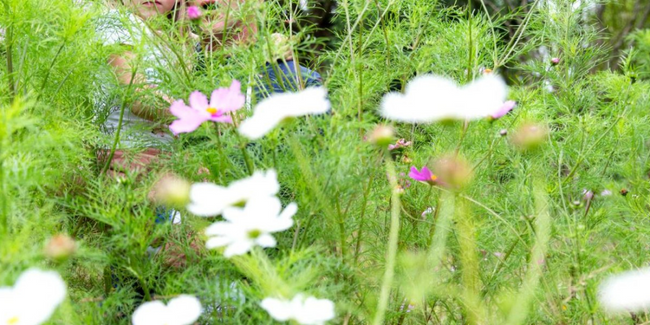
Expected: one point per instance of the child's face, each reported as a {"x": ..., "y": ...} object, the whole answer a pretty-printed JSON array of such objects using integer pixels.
[{"x": 150, "y": 8}]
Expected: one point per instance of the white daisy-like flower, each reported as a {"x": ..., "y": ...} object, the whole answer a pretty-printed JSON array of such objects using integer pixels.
[
  {"x": 280, "y": 106},
  {"x": 432, "y": 98},
  {"x": 626, "y": 292},
  {"x": 245, "y": 228},
  {"x": 182, "y": 310},
  {"x": 208, "y": 200},
  {"x": 33, "y": 298},
  {"x": 306, "y": 311}
]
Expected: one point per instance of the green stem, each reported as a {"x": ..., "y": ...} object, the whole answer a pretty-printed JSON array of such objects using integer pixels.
[
  {"x": 519, "y": 311},
  {"x": 362, "y": 219},
  {"x": 470, "y": 268},
  {"x": 470, "y": 60},
  {"x": 9, "y": 40},
  {"x": 107, "y": 165},
  {"x": 392, "y": 243}
]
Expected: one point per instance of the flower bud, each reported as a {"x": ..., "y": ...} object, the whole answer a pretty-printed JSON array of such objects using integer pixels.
[
  {"x": 171, "y": 190},
  {"x": 193, "y": 12},
  {"x": 453, "y": 171},
  {"x": 555, "y": 61},
  {"x": 382, "y": 136},
  {"x": 529, "y": 136},
  {"x": 503, "y": 132},
  {"x": 60, "y": 247}
]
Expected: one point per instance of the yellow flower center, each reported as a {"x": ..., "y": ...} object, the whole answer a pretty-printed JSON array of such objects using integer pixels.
[
  {"x": 13, "y": 320},
  {"x": 212, "y": 110},
  {"x": 253, "y": 234},
  {"x": 434, "y": 178}
]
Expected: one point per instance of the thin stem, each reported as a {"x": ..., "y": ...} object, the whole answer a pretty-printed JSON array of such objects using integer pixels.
[
  {"x": 357, "y": 247},
  {"x": 119, "y": 123},
  {"x": 9, "y": 40},
  {"x": 538, "y": 254},
  {"x": 392, "y": 243},
  {"x": 470, "y": 268}
]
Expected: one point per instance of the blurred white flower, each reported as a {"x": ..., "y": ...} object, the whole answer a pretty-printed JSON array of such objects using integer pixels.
[
  {"x": 208, "y": 200},
  {"x": 250, "y": 226},
  {"x": 33, "y": 298},
  {"x": 306, "y": 311},
  {"x": 432, "y": 98},
  {"x": 626, "y": 292},
  {"x": 182, "y": 310},
  {"x": 280, "y": 106}
]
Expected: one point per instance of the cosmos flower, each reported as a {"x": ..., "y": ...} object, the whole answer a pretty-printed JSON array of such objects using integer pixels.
[
  {"x": 401, "y": 143},
  {"x": 222, "y": 102},
  {"x": 280, "y": 106},
  {"x": 251, "y": 226},
  {"x": 305, "y": 311},
  {"x": 626, "y": 292},
  {"x": 193, "y": 12},
  {"x": 431, "y": 98},
  {"x": 208, "y": 200},
  {"x": 182, "y": 310},
  {"x": 33, "y": 298},
  {"x": 424, "y": 175}
]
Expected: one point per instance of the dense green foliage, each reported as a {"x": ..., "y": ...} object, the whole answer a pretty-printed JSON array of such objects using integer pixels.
[{"x": 51, "y": 182}]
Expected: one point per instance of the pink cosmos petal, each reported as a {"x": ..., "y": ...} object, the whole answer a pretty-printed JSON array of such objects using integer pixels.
[
  {"x": 188, "y": 118},
  {"x": 504, "y": 109},
  {"x": 424, "y": 175},
  {"x": 221, "y": 118},
  {"x": 193, "y": 12},
  {"x": 198, "y": 101},
  {"x": 228, "y": 99}
]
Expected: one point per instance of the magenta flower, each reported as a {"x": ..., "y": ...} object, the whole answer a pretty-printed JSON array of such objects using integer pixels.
[
  {"x": 504, "y": 109},
  {"x": 222, "y": 102},
  {"x": 424, "y": 175},
  {"x": 193, "y": 12}
]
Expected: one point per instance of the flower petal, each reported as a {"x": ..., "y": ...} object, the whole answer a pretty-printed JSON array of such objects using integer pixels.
[
  {"x": 278, "y": 309},
  {"x": 228, "y": 99},
  {"x": 215, "y": 242},
  {"x": 29, "y": 291},
  {"x": 184, "y": 310},
  {"x": 240, "y": 247},
  {"x": 198, "y": 101},
  {"x": 266, "y": 240},
  {"x": 150, "y": 313},
  {"x": 206, "y": 199}
]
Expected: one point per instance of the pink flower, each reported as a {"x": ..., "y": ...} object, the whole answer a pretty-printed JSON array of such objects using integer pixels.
[
  {"x": 424, "y": 175},
  {"x": 401, "y": 143},
  {"x": 504, "y": 109},
  {"x": 193, "y": 12},
  {"x": 222, "y": 101}
]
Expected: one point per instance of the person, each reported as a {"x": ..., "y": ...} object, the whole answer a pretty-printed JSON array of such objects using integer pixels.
[
  {"x": 136, "y": 138},
  {"x": 227, "y": 23}
]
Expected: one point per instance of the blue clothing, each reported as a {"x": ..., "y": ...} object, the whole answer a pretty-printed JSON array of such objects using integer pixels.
[{"x": 282, "y": 76}]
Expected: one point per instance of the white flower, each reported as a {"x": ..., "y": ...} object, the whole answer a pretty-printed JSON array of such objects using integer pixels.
[
  {"x": 33, "y": 299},
  {"x": 207, "y": 199},
  {"x": 182, "y": 310},
  {"x": 309, "y": 311},
  {"x": 432, "y": 98},
  {"x": 626, "y": 292},
  {"x": 280, "y": 106},
  {"x": 250, "y": 226}
]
